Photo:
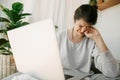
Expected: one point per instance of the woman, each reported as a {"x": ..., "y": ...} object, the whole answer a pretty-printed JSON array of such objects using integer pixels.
[
  {"x": 104, "y": 4},
  {"x": 79, "y": 44}
]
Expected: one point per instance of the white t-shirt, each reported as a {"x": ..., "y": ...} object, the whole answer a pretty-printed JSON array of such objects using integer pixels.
[{"x": 76, "y": 57}]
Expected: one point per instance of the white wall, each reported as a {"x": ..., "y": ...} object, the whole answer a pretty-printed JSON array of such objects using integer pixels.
[
  {"x": 108, "y": 22},
  {"x": 71, "y": 6},
  {"x": 109, "y": 26}
]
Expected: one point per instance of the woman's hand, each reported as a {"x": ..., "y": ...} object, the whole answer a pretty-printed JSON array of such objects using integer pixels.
[{"x": 92, "y": 33}]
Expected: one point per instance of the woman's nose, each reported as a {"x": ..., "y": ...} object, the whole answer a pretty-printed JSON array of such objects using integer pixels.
[{"x": 84, "y": 29}]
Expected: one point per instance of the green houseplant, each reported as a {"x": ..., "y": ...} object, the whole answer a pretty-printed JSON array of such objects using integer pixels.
[
  {"x": 14, "y": 19},
  {"x": 93, "y": 2}
]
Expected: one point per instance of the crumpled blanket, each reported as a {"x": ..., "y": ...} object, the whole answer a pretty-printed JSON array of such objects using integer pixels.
[{"x": 23, "y": 77}]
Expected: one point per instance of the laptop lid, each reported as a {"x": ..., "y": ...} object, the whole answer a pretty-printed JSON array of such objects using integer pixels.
[{"x": 35, "y": 50}]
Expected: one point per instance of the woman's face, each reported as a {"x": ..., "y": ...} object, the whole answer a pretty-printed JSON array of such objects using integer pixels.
[{"x": 81, "y": 26}]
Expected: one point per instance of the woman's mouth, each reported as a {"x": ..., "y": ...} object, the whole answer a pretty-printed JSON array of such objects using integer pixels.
[{"x": 80, "y": 32}]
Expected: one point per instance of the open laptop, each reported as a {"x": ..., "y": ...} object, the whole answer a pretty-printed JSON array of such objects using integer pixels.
[{"x": 35, "y": 50}]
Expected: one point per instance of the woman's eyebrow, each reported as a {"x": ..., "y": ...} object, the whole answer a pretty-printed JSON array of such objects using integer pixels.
[{"x": 90, "y": 26}]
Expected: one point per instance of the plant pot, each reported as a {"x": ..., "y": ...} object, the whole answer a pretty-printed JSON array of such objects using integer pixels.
[{"x": 7, "y": 65}]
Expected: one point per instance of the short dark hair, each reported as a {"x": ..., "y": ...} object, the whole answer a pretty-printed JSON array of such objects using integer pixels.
[{"x": 86, "y": 12}]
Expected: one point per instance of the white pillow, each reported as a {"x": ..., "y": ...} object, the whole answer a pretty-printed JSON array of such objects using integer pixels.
[{"x": 23, "y": 77}]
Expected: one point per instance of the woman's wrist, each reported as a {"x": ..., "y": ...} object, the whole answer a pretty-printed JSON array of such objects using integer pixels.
[
  {"x": 97, "y": 38},
  {"x": 101, "y": 44}
]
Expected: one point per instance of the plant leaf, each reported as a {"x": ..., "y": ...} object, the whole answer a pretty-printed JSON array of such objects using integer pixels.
[
  {"x": 3, "y": 31},
  {"x": 8, "y": 13},
  {"x": 15, "y": 16},
  {"x": 1, "y": 6},
  {"x": 24, "y": 23},
  {"x": 20, "y": 23},
  {"x": 17, "y": 6},
  {"x": 5, "y": 51},
  {"x": 56, "y": 26},
  {"x": 11, "y": 26},
  {"x": 25, "y": 14},
  {"x": 3, "y": 41},
  {"x": 7, "y": 44},
  {"x": 4, "y": 19}
]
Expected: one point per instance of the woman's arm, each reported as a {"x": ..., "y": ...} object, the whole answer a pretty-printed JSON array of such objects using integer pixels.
[
  {"x": 104, "y": 5},
  {"x": 103, "y": 58},
  {"x": 94, "y": 34},
  {"x": 106, "y": 63}
]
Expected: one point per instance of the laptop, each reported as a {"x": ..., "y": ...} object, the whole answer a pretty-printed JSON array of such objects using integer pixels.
[{"x": 35, "y": 50}]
